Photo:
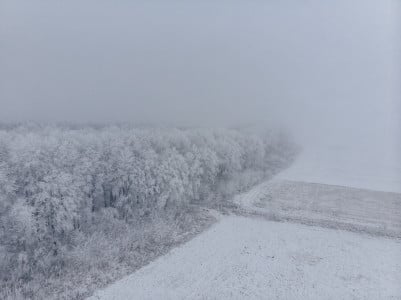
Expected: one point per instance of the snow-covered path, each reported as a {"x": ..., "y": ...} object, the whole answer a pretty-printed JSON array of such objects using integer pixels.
[{"x": 245, "y": 258}]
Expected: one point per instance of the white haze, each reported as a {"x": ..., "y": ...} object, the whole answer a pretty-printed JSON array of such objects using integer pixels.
[{"x": 327, "y": 70}]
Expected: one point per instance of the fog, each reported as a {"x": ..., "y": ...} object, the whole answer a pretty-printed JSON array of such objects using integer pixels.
[
  {"x": 83, "y": 207},
  {"x": 325, "y": 70}
]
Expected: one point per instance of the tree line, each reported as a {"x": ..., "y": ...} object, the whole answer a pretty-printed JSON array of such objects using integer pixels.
[{"x": 56, "y": 180}]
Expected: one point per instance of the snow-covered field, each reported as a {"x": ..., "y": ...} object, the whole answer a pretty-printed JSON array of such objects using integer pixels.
[
  {"x": 358, "y": 164},
  {"x": 325, "y": 205},
  {"x": 254, "y": 258},
  {"x": 245, "y": 258},
  {"x": 352, "y": 251}
]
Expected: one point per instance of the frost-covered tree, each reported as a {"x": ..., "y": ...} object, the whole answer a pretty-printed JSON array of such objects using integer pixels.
[{"x": 61, "y": 185}]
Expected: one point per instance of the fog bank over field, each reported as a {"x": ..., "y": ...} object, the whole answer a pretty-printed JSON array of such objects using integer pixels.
[{"x": 330, "y": 72}]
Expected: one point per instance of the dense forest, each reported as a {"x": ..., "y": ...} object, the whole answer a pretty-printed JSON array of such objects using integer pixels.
[{"x": 73, "y": 199}]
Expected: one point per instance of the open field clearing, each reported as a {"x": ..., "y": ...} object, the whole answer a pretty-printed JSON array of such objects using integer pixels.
[
  {"x": 245, "y": 258},
  {"x": 326, "y": 205}
]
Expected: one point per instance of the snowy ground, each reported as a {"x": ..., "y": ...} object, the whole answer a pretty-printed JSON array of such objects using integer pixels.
[
  {"x": 352, "y": 251},
  {"x": 244, "y": 258},
  {"x": 360, "y": 165},
  {"x": 324, "y": 205},
  {"x": 254, "y": 258}
]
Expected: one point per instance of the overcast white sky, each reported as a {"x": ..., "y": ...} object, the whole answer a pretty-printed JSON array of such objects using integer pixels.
[{"x": 315, "y": 66}]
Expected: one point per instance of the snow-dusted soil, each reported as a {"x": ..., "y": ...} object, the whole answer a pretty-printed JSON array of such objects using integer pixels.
[
  {"x": 245, "y": 258},
  {"x": 326, "y": 205}
]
